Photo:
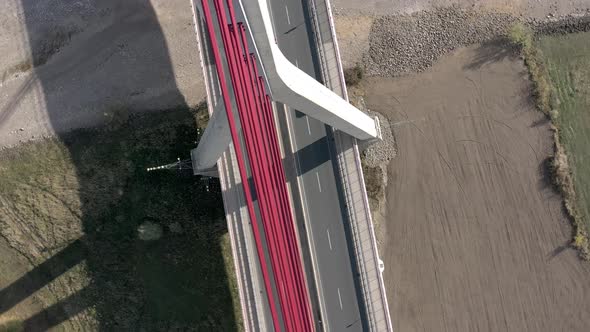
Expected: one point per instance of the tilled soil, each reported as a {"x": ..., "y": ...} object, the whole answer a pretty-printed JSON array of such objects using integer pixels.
[{"x": 474, "y": 234}]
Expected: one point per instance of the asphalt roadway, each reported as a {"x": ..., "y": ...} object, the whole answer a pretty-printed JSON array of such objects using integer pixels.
[{"x": 317, "y": 186}]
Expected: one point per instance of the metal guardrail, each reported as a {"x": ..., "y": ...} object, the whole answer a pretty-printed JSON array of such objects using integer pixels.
[{"x": 365, "y": 244}]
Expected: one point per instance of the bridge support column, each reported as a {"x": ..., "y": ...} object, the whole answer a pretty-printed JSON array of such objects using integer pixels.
[
  {"x": 217, "y": 136},
  {"x": 213, "y": 142}
]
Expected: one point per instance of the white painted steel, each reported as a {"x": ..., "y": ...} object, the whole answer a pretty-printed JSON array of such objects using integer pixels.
[
  {"x": 287, "y": 84},
  {"x": 290, "y": 85},
  {"x": 213, "y": 142}
]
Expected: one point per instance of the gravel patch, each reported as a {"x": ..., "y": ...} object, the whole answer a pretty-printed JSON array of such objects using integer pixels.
[
  {"x": 403, "y": 44},
  {"x": 376, "y": 155},
  {"x": 378, "y": 152},
  {"x": 570, "y": 24},
  {"x": 412, "y": 43}
]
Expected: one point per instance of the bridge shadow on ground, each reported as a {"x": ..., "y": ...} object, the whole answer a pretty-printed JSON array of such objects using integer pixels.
[{"x": 178, "y": 280}]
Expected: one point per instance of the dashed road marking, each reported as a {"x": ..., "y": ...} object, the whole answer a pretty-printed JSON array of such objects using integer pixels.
[
  {"x": 317, "y": 175},
  {"x": 288, "y": 18}
]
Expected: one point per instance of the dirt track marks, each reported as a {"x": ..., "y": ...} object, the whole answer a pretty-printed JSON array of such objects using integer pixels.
[{"x": 475, "y": 238}]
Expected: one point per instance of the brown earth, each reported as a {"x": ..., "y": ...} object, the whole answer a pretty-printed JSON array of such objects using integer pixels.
[
  {"x": 474, "y": 234},
  {"x": 13, "y": 266}
]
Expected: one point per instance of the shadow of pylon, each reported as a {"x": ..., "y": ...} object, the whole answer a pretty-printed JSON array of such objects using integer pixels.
[
  {"x": 9, "y": 108},
  {"x": 42, "y": 275},
  {"x": 58, "y": 312}
]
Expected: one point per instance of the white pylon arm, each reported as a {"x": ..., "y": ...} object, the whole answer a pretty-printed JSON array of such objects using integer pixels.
[
  {"x": 286, "y": 83},
  {"x": 293, "y": 87}
]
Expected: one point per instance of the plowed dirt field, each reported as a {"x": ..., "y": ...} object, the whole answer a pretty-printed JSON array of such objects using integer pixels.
[{"x": 475, "y": 238}]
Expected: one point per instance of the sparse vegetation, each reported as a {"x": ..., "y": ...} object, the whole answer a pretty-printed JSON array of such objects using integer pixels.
[
  {"x": 42, "y": 51},
  {"x": 523, "y": 37},
  {"x": 568, "y": 66},
  {"x": 88, "y": 195},
  {"x": 353, "y": 76},
  {"x": 53, "y": 41},
  {"x": 21, "y": 67},
  {"x": 117, "y": 117},
  {"x": 559, "y": 68},
  {"x": 11, "y": 326},
  {"x": 232, "y": 281},
  {"x": 374, "y": 184}
]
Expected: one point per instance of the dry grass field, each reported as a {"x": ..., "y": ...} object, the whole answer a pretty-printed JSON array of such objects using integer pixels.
[
  {"x": 72, "y": 213},
  {"x": 567, "y": 58}
]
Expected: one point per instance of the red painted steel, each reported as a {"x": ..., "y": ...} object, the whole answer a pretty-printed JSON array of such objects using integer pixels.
[
  {"x": 260, "y": 181},
  {"x": 280, "y": 190},
  {"x": 262, "y": 138},
  {"x": 241, "y": 94},
  {"x": 240, "y": 160},
  {"x": 263, "y": 153}
]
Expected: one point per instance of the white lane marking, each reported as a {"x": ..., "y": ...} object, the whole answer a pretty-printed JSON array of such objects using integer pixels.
[
  {"x": 306, "y": 216},
  {"x": 272, "y": 21},
  {"x": 288, "y": 19},
  {"x": 340, "y": 298},
  {"x": 317, "y": 175},
  {"x": 296, "y": 63},
  {"x": 308, "y": 127},
  {"x": 329, "y": 240}
]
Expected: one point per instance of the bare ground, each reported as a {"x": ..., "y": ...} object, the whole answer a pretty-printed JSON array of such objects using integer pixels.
[
  {"x": 354, "y": 19},
  {"x": 71, "y": 64},
  {"x": 474, "y": 234},
  {"x": 62, "y": 202}
]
